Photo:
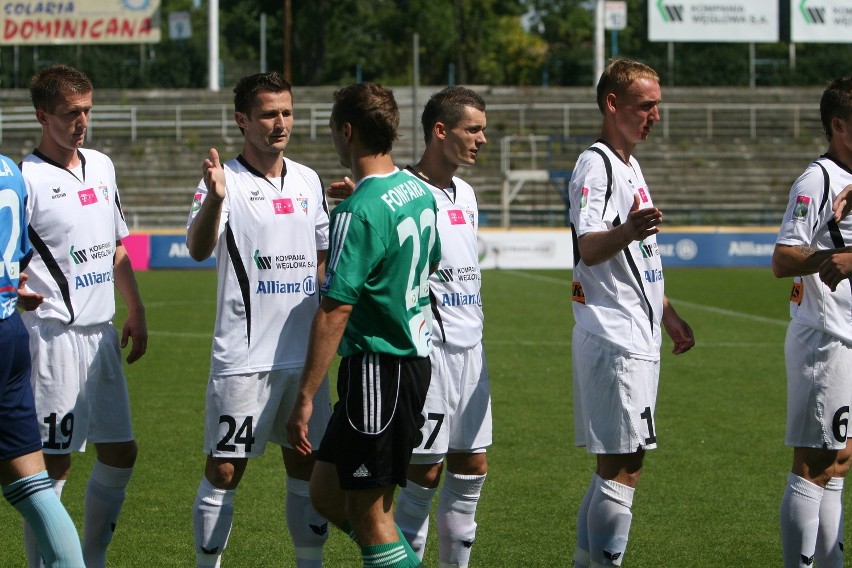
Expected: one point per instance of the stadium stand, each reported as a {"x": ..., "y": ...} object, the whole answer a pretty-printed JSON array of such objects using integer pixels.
[{"x": 719, "y": 157}]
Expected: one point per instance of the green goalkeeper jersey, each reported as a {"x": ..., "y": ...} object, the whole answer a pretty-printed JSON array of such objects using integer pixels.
[{"x": 383, "y": 243}]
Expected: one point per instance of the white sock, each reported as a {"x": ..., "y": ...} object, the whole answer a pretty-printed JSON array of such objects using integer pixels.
[
  {"x": 455, "y": 518},
  {"x": 212, "y": 516},
  {"x": 829, "y": 545},
  {"x": 581, "y": 554},
  {"x": 34, "y": 559},
  {"x": 308, "y": 529},
  {"x": 105, "y": 494},
  {"x": 800, "y": 509},
  {"x": 609, "y": 522},
  {"x": 412, "y": 514}
]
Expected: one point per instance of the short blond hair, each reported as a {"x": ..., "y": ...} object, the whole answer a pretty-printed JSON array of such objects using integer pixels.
[{"x": 619, "y": 75}]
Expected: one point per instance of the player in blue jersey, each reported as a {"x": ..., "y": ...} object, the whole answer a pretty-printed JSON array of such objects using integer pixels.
[
  {"x": 23, "y": 475},
  {"x": 374, "y": 312}
]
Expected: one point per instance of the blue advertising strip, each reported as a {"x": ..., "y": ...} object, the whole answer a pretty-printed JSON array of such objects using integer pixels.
[
  {"x": 716, "y": 249},
  {"x": 169, "y": 251}
]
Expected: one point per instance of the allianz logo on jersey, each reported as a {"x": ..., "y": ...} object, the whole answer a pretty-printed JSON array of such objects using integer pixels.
[
  {"x": 455, "y": 299},
  {"x": 102, "y": 250},
  {"x": 281, "y": 261},
  {"x": 92, "y": 278},
  {"x": 308, "y": 287}
]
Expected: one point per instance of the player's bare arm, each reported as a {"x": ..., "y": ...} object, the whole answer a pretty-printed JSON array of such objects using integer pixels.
[
  {"x": 800, "y": 260},
  {"x": 677, "y": 328},
  {"x": 202, "y": 234},
  {"x": 321, "y": 257},
  {"x": 135, "y": 329},
  {"x": 599, "y": 246},
  {"x": 27, "y": 299},
  {"x": 326, "y": 332},
  {"x": 842, "y": 203}
]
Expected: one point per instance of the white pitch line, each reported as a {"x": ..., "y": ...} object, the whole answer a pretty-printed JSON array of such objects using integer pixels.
[{"x": 704, "y": 307}]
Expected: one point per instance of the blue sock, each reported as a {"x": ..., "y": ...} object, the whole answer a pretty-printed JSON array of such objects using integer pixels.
[{"x": 37, "y": 502}]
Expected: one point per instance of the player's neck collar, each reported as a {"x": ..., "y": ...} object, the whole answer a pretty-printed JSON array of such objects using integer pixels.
[
  {"x": 836, "y": 160},
  {"x": 256, "y": 172},
  {"x": 43, "y": 157}
]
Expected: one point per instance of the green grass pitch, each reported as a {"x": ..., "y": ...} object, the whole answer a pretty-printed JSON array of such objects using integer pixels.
[{"x": 709, "y": 495}]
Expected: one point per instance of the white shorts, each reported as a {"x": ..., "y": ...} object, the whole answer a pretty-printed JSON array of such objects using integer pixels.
[
  {"x": 615, "y": 397},
  {"x": 458, "y": 404},
  {"x": 244, "y": 412},
  {"x": 78, "y": 383},
  {"x": 819, "y": 388}
]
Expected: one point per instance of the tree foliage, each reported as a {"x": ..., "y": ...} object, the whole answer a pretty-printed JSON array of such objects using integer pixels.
[{"x": 497, "y": 42}]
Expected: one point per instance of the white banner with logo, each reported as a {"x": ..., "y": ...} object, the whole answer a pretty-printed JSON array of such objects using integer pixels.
[
  {"x": 734, "y": 21},
  {"x": 35, "y": 22},
  {"x": 821, "y": 21},
  {"x": 685, "y": 246}
]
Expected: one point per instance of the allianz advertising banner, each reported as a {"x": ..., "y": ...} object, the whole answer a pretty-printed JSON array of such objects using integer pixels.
[
  {"x": 37, "y": 22},
  {"x": 520, "y": 249},
  {"x": 821, "y": 21},
  {"x": 736, "y": 21}
]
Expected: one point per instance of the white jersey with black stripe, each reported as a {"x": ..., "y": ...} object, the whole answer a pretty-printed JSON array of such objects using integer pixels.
[
  {"x": 455, "y": 288},
  {"x": 266, "y": 257},
  {"x": 620, "y": 300},
  {"x": 809, "y": 221},
  {"x": 75, "y": 221}
]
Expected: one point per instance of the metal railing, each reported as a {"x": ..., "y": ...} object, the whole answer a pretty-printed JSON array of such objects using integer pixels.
[{"x": 710, "y": 121}]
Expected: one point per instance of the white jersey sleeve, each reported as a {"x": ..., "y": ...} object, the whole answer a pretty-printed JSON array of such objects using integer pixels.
[
  {"x": 75, "y": 223},
  {"x": 620, "y": 300},
  {"x": 809, "y": 221}
]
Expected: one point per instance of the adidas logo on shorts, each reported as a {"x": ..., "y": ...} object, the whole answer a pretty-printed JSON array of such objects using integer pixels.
[{"x": 362, "y": 472}]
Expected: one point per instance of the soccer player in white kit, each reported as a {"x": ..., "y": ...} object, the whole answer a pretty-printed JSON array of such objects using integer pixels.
[
  {"x": 457, "y": 412},
  {"x": 619, "y": 305},
  {"x": 76, "y": 226},
  {"x": 265, "y": 218},
  {"x": 813, "y": 248}
]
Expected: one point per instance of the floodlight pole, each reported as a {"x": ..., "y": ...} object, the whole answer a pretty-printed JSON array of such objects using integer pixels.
[
  {"x": 600, "y": 24},
  {"x": 213, "y": 45},
  {"x": 415, "y": 84}
]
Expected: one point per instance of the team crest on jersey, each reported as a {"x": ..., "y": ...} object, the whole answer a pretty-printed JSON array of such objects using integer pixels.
[
  {"x": 471, "y": 217},
  {"x": 456, "y": 217},
  {"x": 104, "y": 191},
  {"x": 283, "y": 206},
  {"x": 585, "y": 199},
  {"x": 643, "y": 195},
  {"x": 800, "y": 210},
  {"x": 196, "y": 202},
  {"x": 303, "y": 203},
  {"x": 87, "y": 196}
]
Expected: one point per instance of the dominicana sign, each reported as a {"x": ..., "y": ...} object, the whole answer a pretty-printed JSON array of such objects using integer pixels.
[
  {"x": 38, "y": 22},
  {"x": 714, "y": 20},
  {"x": 820, "y": 21}
]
